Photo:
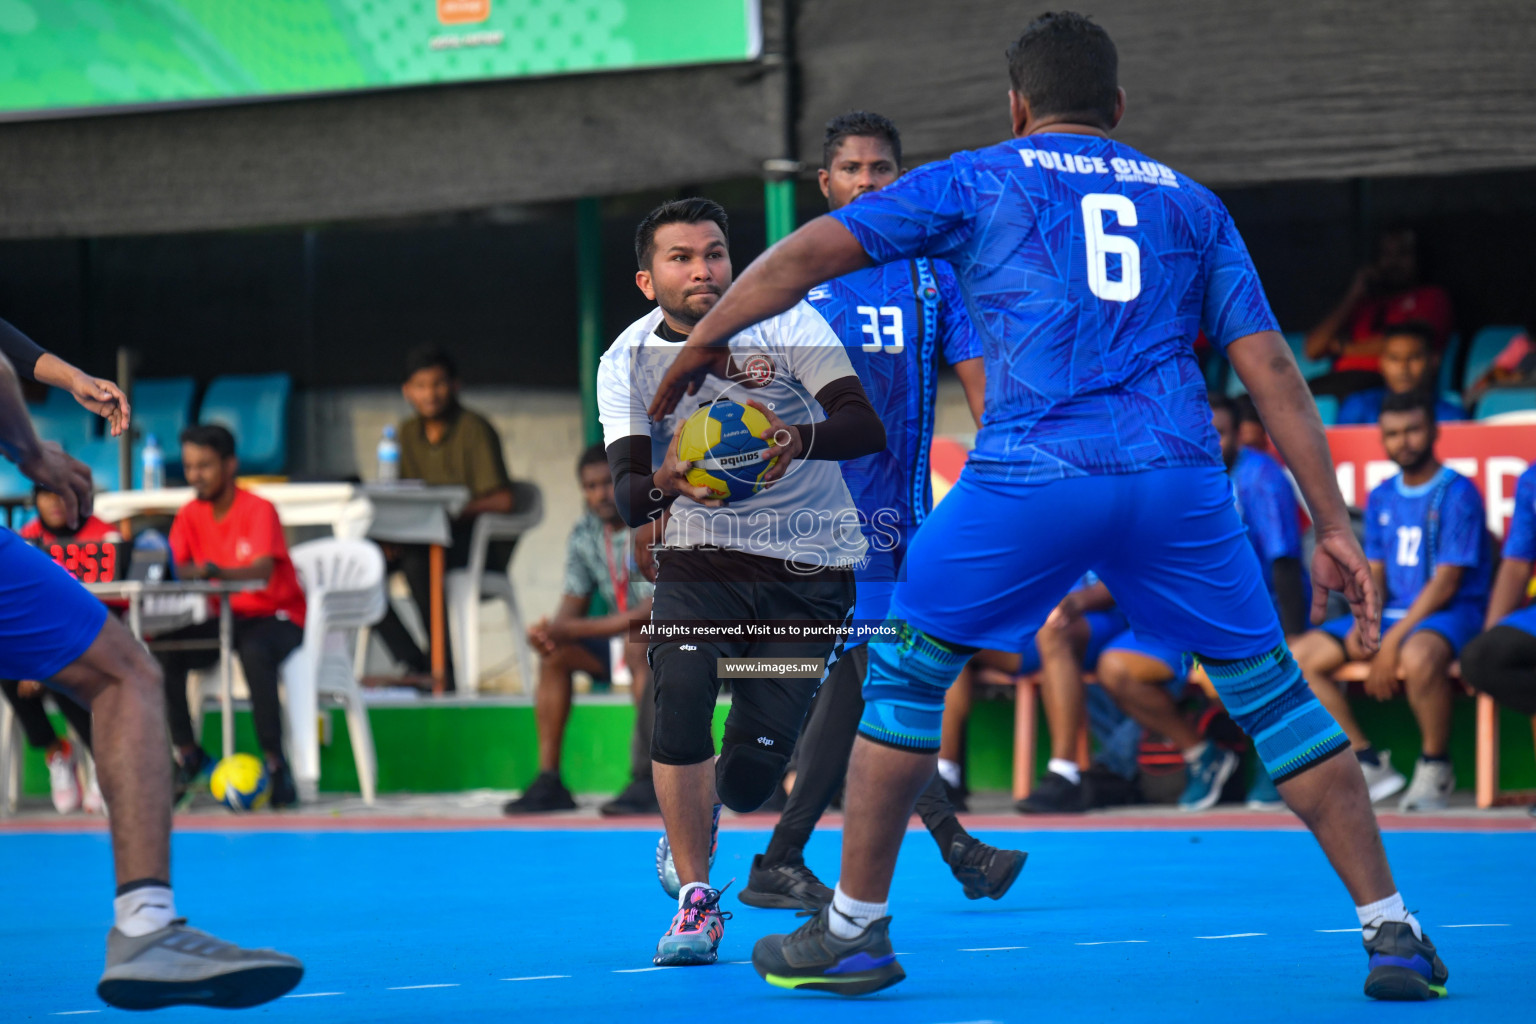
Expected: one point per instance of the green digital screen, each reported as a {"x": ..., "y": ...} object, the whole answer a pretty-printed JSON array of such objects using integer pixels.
[{"x": 60, "y": 57}]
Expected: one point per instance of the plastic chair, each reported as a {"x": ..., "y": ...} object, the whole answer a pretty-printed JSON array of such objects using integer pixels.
[
  {"x": 163, "y": 408},
  {"x": 1486, "y": 346},
  {"x": 1328, "y": 409},
  {"x": 60, "y": 418},
  {"x": 12, "y": 743},
  {"x": 467, "y": 587},
  {"x": 1502, "y": 400},
  {"x": 255, "y": 409}
]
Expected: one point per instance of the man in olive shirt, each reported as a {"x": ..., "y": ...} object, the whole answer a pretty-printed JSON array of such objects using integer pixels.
[{"x": 444, "y": 444}]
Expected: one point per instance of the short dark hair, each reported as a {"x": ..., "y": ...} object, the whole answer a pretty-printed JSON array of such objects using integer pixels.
[
  {"x": 1066, "y": 64},
  {"x": 679, "y": 211},
  {"x": 1408, "y": 401},
  {"x": 863, "y": 124},
  {"x": 425, "y": 357},
  {"x": 1221, "y": 403},
  {"x": 594, "y": 455},
  {"x": 1412, "y": 329},
  {"x": 210, "y": 435}
]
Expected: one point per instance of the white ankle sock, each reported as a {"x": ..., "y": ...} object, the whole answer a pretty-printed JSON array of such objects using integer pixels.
[
  {"x": 949, "y": 771},
  {"x": 1066, "y": 769},
  {"x": 1375, "y": 914},
  {"x": 849, "y": 917},
  {"x": 144, "y": 910},
  {"x": 682, "y": 894},
  {"x": 1194, "y": 753}
]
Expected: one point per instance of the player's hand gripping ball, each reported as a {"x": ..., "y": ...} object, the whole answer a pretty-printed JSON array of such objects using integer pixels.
[
  {"x": 240, "y": 783},
  {"x": 721, "y": 442}
]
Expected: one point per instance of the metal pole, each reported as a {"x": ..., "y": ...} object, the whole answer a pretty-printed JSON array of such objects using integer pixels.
[
  {"x": 779, "y": 173},
  {"x": 125, "y": 361},
  {"x": 589, "y": 294}
]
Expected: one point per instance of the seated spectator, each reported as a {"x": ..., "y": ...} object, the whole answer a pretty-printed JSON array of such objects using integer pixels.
[
  {"x": 1408, "y": 364},
  {"x": 597, "y": 561},
  {"x": 1501, "y": 662},
  {"x": 52, "y": 526},
  {"x": 1429, "y": 554},
  {"x": 226, "y": 533},
  {"x": 1383, "y": 293},
  {"x": 1514, "y": 365},
  {"x": 444, "y": 444},
  {"x": 1250, "y": 429}
]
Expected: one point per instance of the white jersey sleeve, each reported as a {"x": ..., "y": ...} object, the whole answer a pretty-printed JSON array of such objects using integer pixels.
[
  {"x": 811, "y": 350},
  {"x": 621, "y": 408}
]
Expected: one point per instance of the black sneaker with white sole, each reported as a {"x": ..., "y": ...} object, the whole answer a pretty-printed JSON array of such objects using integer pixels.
[{"x": 784, "y": 887}]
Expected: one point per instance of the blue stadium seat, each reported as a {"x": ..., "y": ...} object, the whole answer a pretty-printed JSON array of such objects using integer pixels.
[
  {"x": 1486, "y": 346},
  {"x": 60, "y": 418},
  {"x": 164, "y": 408},
  {"x": 1448, "y": 365},
  {"x": 1502, "y": 400},
  {"x": 101, "y": 456},
  {"x": 255, "y": 409},
  {"x": 1328, "y": 409},
  {"x": 12, "y": 483}
]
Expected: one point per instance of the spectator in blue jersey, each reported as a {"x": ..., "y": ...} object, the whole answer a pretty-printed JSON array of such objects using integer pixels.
[
  {"x": 1501, "y": 661},
  {"x": 1088, "y": 270},
  {"x": 1408, "y": 365},
  {"x": 1426, "y": 538},
  {"x": 895, "y": 323}
]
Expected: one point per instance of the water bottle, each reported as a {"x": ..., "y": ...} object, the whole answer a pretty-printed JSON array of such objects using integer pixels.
[
  {"x": 153, "y": 478},
  {"x": 389, "y": 457}
]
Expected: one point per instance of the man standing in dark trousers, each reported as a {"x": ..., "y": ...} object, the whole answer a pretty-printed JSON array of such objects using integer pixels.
[
  {"x": 226, "y": 533},
  {"x": 893, "y": 321},
  {"x": 444, "y": 444}
]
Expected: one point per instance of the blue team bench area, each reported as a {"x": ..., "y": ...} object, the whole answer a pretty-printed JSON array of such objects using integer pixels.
[
  {"x": 418, "y": 922},
  {"x": 253, "y": 406}
]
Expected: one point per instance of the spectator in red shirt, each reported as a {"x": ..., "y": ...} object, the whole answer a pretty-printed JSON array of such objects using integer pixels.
[
  {"x": 227, "y": 533},
  {"x": 1383, "y": 293}
]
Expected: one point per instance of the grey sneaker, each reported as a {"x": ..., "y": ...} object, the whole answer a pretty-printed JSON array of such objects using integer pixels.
[
  {"x": 1433, "y": 783},
  {"x": 812, "y": 958},
  {"x": 1403, "y": 966},
  {"x": 177, "y": 965},
  {"x": 666, "y": 868},
  {"x": 1381, "y": 778}
]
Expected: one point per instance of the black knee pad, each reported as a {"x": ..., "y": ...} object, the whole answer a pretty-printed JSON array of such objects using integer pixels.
[
  {"x": 748, "y": 769},
  {"x": 683, "y": 687}
]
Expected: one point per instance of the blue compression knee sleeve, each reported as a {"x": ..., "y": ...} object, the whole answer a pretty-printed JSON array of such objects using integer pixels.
[
  {"x": 904, "y": 691},
  {"x": 1270, "y": 701}
]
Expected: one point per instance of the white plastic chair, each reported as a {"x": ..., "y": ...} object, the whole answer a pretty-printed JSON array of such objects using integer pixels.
[
  {"x": 12, "y": 743},
  {"x": 468, "y": 586},
  {"x": 343, "y": 583}
]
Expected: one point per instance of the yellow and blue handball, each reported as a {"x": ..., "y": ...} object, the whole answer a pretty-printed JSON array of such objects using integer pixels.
[
  {"x": 239, "y": 782},
  {"x": 722, "y": 442}
]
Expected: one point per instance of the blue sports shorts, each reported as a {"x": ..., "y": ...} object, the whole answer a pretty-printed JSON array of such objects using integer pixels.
[
  {"x": 47, "y": 619},
  {"x": 1458, "y": 624}
]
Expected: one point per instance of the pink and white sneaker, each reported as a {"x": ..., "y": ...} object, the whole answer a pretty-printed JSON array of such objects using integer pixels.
[
  {"x": 64, "y": 779},
  {"x": 93, "y": 802},
  {"x": 695, "y": 932}
]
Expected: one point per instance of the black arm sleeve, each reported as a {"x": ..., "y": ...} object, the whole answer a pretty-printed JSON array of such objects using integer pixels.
[
  {"x": 1290, "y": 595},
  {"x": 851, "y": 429},
  {"x": 21, "y": 350},
  {"x": 634, "y": 491}
]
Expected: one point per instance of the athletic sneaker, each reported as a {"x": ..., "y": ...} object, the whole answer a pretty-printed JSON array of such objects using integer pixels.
[
  {"x": 1433, "y": 783},
  {"x": 63, "y": 778},
  {"x": 784, "y": 887},
  {"x": 282, "y": 792},
  {"x": 1053, "y": 794},
  {"x": 666, "y": 871},
  {"x": 983, "y": 870},
  {"x": 695, "y": 933},
  {"x": 545, "y": 793},
  {"x": 1207, "y": 776},
  {"x": 1403, "y": 966},
  {"x": 639, "y": 797},
  {"x": 1262, "y": 794},
  {"x": 811, "y": 957},
  {"x": 93, "y": 802},
  {"x": 181, "y": 965},
  {"x": 1381, "y": 778}
]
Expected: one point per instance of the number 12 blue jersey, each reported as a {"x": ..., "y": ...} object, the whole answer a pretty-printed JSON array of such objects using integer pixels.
[{"x": 1088, "y": 270}]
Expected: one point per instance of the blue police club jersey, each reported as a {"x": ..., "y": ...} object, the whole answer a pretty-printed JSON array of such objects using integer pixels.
[
  {"x": 1520, "y": 541},
  {"x": 1412, "y": 530},
  {"x": 1087, "y": 270},
  {"x": 894, "y": 320},
  {"x": 1267, "y": 505}
]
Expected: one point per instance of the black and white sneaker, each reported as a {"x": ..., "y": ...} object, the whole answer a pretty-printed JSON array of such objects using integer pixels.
[
  {"x": 180, "y": 965},
  {"x": 1053, "y": 794},
  {"x": 983, "y": 870},
  {"x": 784, "y": 887},
  {"x": 545, "y": 793}
]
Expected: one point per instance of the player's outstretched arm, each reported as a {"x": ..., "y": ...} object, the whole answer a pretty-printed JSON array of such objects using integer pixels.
[
  {"x": 31, "y": 360},
  {"x": 42, "y": 462},
  {"x": 1264, "y": 363},
  {"x": 776, "y": 280}
]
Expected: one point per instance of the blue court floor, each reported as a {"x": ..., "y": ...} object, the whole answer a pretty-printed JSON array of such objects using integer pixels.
[{"x": 1102, "y": 926}]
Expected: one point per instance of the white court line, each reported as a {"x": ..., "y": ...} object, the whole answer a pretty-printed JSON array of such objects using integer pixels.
[
  {"x": 1474, "y": 926},
  {"x": 1234, "y": 935},
  {"x": 312, "y": 995},
  {"x": 640, "y": 970},
  {"x": 408, "y": 988},
  {"x": 1334, "y": 931},
  {"x": 71, "y": 1013},
  {"x": 991, "y": 949},
  {"x": 1112, "y": 942},
  {"x": 538, "y": 977}
]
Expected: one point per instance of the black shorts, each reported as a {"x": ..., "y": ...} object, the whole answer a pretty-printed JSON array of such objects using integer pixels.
[{"x": 724, "y": 586}]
